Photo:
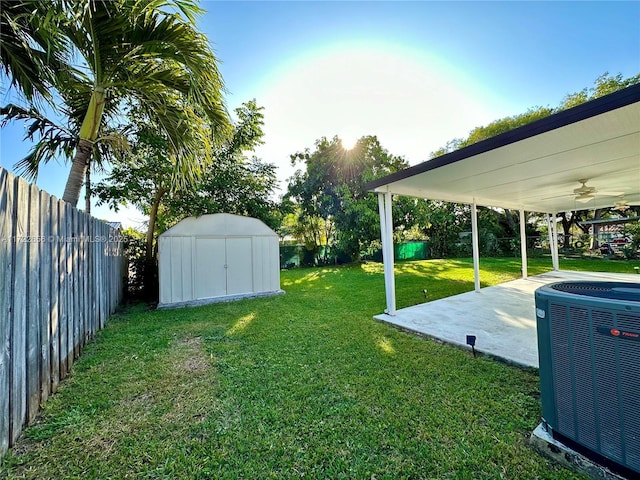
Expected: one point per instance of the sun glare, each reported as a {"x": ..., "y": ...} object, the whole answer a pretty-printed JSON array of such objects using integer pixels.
[
  {"x": 412, "y": 102},
  {"x": 348, "y": 141}
]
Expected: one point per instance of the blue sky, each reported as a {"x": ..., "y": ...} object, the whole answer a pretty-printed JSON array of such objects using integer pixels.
[{"x": 417, "y": 74}]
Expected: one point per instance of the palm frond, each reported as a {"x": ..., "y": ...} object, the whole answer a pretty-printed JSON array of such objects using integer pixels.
[
  {"x": 53, "y": 144},
  {"x": 148, "y": 52},
  {"x": 31, "y": 46}
]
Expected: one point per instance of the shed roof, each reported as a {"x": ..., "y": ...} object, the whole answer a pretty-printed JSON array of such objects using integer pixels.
[
  {"x": 220, "y": 225},
  {"x": 537, "y": 166}
]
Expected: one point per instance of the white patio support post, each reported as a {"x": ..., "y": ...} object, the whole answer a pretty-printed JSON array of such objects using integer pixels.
[
  {"x": 386, "y": 235},
  {"x": 523, "y": 243},
  {"x": 552, "y": 227},
  {"x": 383, "y": 239},
  {"x": 474, "y": 245},
  {"x": 550, "y": 234},
  {"x": 555, "y": 258}
]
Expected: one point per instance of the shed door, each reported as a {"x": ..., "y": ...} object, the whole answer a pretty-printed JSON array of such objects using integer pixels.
[
  {"x": 210, "y": 268},
  {"x": 239, "y": 266}
]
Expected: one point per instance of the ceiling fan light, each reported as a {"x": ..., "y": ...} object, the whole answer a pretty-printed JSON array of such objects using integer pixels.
[{"x": 584, "y": 190}]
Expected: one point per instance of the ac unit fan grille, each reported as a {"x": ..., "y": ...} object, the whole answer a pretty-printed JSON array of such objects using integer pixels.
[
  {"x": 617, "y": 291},
  {"x": 579, "y": 287}
]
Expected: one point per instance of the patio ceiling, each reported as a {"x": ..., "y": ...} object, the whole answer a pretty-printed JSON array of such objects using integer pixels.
[{"x": 536, "y": 167}]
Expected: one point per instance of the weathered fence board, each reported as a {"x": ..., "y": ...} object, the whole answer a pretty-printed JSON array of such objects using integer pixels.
[
  {"x": 18, "y": 342},
  {"x": 61, "y": 275},
  {"x": 63, "y": 287},
  {"x": 33, "y": 304},
  {"x": 6, "y": 267},
  {"x": 45, "y": 296},
  {"x": 54, "y": 325},
  {"x": 70, "y": 286}
]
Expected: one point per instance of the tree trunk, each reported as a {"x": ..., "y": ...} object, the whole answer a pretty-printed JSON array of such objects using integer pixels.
[
  {"x": 595, "y": 244},
  {"x": 77, "y": 173},
  {"x": 566, "y": 228},
  {"x": 153, "y": 215},
  {"x": 151, "y": 267}
]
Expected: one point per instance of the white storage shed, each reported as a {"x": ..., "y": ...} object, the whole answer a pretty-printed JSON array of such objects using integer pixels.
[{"x": 216, "y": 258}]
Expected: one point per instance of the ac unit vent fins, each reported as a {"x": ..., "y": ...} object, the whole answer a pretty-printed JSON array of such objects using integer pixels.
[{"x": 609, "y": 290}]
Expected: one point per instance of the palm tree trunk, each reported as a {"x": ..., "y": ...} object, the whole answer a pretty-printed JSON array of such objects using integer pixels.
[
  {"x": 77, "y": 173},
  {"x": 88, "y": 135}
]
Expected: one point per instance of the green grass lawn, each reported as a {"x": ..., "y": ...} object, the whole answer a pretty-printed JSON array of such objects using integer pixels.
[{"x": 302, "y": 385}]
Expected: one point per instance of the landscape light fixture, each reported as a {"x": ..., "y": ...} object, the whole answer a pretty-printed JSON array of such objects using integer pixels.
[{"x": 471, "y": 340}]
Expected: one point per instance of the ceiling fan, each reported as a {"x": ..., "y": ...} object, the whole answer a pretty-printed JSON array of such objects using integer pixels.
[{"x": 584, "y": 193}]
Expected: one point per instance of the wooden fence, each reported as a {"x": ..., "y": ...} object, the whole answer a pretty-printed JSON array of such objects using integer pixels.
[{"x": 61, "y": 275}]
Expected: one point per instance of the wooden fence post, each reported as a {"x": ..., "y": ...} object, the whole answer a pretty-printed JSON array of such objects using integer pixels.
[{"x": 6, "y": 281}]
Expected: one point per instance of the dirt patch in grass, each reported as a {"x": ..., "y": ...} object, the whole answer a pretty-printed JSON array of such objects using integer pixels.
[
  {"x": 194, "y": 365},
  {"x": 102, "y": 444},
  {"x": 24, "y": 447},
  {"x": 192, "y": 357}
]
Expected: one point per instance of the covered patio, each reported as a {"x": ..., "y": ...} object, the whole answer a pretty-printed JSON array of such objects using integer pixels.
[
  {"x": 502, "y": 317},
  {"x": 586, "y": 157}
]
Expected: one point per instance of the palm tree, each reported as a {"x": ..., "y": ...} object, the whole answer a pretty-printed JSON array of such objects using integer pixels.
[{"x": 145, "y": 52}]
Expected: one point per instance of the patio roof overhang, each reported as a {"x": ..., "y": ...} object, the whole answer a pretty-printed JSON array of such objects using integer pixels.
[
  {"x": 533, "y": 168},
  {"x": 537, "y": 166}
]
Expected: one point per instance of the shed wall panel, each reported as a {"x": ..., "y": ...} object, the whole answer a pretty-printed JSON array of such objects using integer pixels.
[
  {"x": 164, "y": 269},
  {"x": 259, "y": 264},
  {"x": 175, "y": 260},
  {"x": 267, "y": 267},
  {"x": 210, "y": 274},
  {"x": 239, "y": 266},
  {"x": 186, "y": 252}
]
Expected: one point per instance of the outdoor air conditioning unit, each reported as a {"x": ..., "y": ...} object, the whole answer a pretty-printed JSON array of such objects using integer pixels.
[{"x": 589, "y": 349}]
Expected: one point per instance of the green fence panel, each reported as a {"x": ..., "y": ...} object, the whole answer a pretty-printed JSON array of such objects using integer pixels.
[{"x": 411, "y": 251}]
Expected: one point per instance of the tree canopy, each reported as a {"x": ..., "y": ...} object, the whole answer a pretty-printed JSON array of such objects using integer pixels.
[
  {"x": 330, "y": 191},
  {"x": 107, "y": 53}
]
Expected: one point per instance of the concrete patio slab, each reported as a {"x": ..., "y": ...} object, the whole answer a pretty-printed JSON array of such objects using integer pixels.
[{"x": 501, "y": 317}]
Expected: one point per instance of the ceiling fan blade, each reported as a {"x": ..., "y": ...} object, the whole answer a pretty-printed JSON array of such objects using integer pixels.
[{"x": 610, "y": 194}]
